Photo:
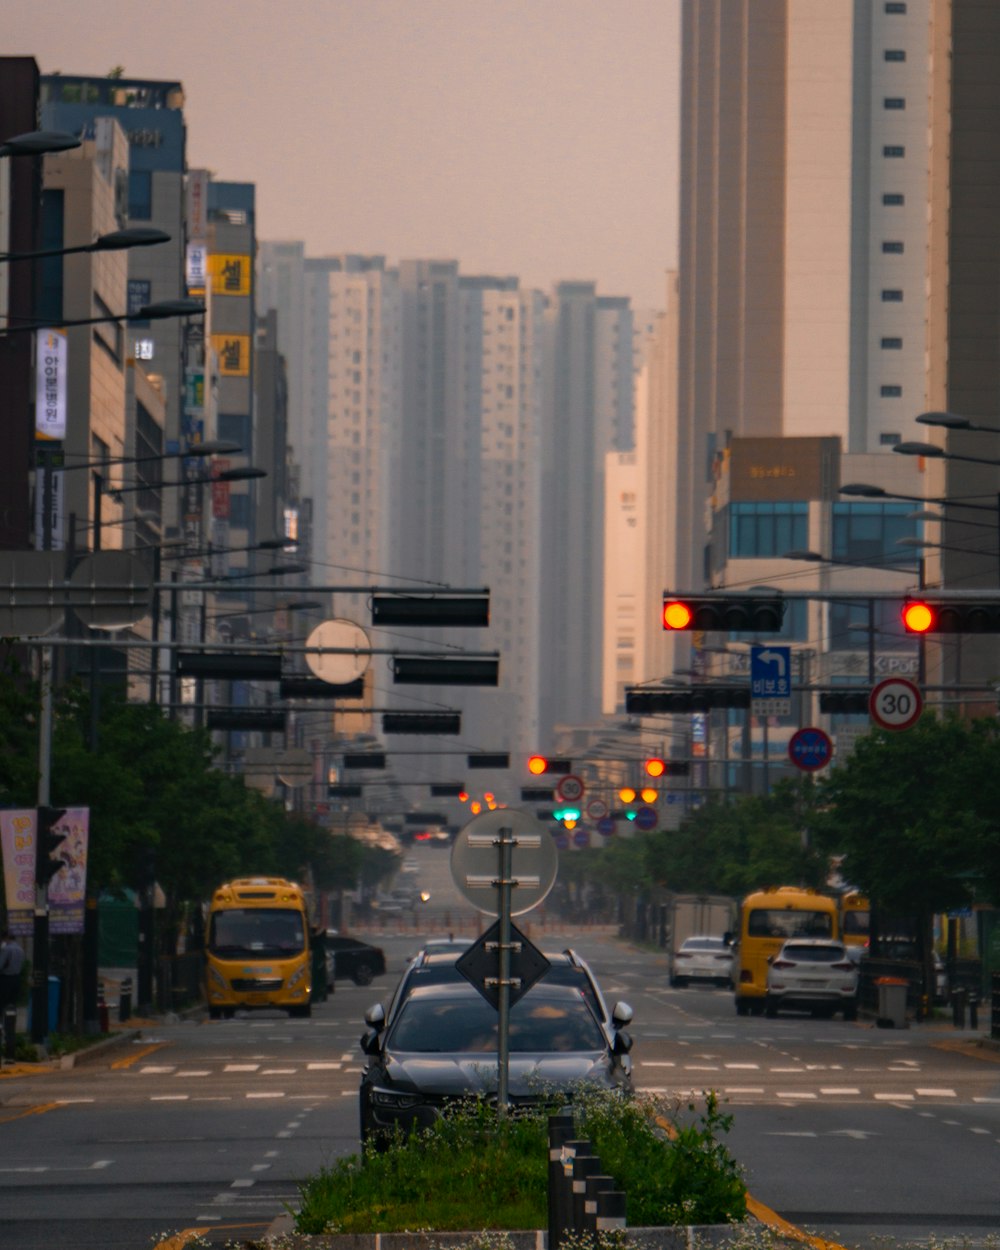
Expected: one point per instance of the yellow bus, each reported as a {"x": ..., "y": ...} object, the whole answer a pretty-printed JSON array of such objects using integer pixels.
[
  {"x": 257, "y": 947},
  {"x": 855, "y": 919},
  {"x": 767, "y": 919}
]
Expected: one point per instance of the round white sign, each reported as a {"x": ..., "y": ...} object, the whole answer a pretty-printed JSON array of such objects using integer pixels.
[
  {"x": 350, "y": 654},
  {"x": 569, "y": 789},
  {"x": 475, "y": 860},
  {"x": 895, "y": 703}
]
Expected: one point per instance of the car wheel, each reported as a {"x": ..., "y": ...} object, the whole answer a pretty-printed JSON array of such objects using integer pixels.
[
  {"x": 851, "y": 1011},
  {"x": 770, "y": 1008},
  {"x": 363, "y": 974},
  {"x": 215, "y": 1013},
  {"x": 301, "y": 1013},
  {"x": 742, "y": 1007},
  {"x": 680, "y": 982}
]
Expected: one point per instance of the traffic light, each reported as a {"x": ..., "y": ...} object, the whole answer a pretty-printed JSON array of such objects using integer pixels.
[
  {"x": 655, "y": 767},
  {"x": 853, "y": 702},
  {"x": 48, "y": 840},
  {"x": 757, "y": 614},
  {"x": 950, "y": 616},
  {"x": 538, "y": 764},
  {"x": 645, "y": 702},
  {"x": 568, "y": 815}
]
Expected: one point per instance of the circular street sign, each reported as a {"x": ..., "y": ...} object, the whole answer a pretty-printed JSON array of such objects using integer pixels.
[
  {"x": 475, "y": 860},
  {"x": 581, "y": 836},
  {"x": 810, "y": 749},
  {"x": 646, "y": 819},
  {"x": 351, "y": 657},
  {"x": 895, "y": 703},
  {"x": 606, "y": 826},
  {"x": 569, "y": 789},
  {"x": 120, "y": 589},
  {"x": 597, "y": 809}
]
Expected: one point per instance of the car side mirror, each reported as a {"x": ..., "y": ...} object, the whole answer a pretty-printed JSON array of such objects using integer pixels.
[
  {"x": 370, "y": 1043},
  {"x": 623, "y": 1043},
  {"x": 770, "y": 959},
  {"x": 375, "y": 1017},
  {"x": 621, "y": 1015}
]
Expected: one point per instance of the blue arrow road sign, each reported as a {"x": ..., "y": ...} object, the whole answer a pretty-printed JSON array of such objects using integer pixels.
[{"x": 771, "y": 680}]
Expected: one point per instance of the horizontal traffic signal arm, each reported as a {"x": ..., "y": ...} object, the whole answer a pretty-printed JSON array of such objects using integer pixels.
[
  {"x": 951, "y": 614},
  {"x": 746, "y": 612},
  {"x": 646, "y": 702}
]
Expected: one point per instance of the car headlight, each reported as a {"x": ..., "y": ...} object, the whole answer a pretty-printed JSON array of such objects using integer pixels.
[
  {"x": 398, "y": 1099},
  {"x": 295, "y": 980},
  {"x": 217, "y": 979}
]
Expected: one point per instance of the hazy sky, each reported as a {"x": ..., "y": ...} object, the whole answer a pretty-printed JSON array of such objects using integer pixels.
[{"x": 533, "y": 137}]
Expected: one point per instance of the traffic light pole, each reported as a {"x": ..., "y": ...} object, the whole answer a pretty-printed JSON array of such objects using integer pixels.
[{"x": 40, "y": 930}]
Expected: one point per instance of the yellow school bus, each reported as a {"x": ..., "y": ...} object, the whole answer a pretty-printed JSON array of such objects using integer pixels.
[
  {"x": 257, "y": 947},
  {"x": 855, "y": 919},
  {"x": 767, "y": 919}
]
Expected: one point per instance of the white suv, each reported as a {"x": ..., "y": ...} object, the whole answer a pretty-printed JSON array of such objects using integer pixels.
[{"x": 813, "y": 974}]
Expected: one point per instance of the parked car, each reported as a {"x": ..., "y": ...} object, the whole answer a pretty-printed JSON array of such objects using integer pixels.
[
  {"x": 350, "y": 958},
  {"x": 813, "y": 974},
  {"x": 702, "y": 959},
  {"x": 441, "y": 1046}
]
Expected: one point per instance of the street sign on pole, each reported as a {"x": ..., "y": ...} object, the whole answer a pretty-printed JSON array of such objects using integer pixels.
[
  {"x": 810, "y": 749},
  {"x": 895, "y": 703},
  {"x": 569, "y": 789},
  {"x": 771, "y": 681},
  {"x": 474, "y": 867}
]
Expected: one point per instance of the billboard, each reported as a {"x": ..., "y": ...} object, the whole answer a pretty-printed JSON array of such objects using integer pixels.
[{"x": 50, "y": 383}]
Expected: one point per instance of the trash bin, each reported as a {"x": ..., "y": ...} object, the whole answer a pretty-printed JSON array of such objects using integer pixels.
[
  {"x": 53, "y": 1004},
  {"x": 891, "y": 1002}
]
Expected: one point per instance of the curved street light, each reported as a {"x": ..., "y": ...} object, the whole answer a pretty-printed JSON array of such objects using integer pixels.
[
  {"x": 38, "y": 142},
  {"x": 862, "y": 490},
  {"x": 950, "y": 421},
  {"x": 114, "y": 241},
  {"x": 148, "y": 312},
  {"x": 931, "y": 451}
]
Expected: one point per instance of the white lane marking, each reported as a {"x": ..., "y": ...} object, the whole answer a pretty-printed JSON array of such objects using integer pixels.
[
  {"x": 695, "y": 1067},
  {"x": 260, "y": 1167},
  {"x": 986, "y": 1100},
  {"x": 278, "y": 1072},
  {"x": 245, "y": 1183},
  {"x": 805, "y": 1134},
  {"x": 795, "y": 1093},
  {"x": 241, "y": 1067},
  {"x": 744, "y": 1067},
  {"x": 656, "y": 1063},
  {"x": 195, "y": 1072},
  {"x": 67, "y": 1102},
  {"x": 937, "y": 1093},
  {"x": 744, "y": 1089},
  {"x": 839, "y": 1089},
  {"x": 981, "y": 1130},
  {"x": 169, "y": 1097},
  {"x": 157, "y": 1071},
  {"x": 894, "y": 1097},
  {"x": 323, "y": 1067},
  {"x": 786, "y": 1070},
  {"x": 268, "y": 1094}
]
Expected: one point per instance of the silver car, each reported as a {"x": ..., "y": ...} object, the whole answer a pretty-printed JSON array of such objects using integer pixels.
[
  {"x": 702, "y": 959},
  {"x": 813, "y": 974}
]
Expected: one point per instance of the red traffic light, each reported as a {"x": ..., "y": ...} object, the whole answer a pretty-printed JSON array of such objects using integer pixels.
[
  {"x": 677, "y": 614},
  {"x": 918, "y": 617},
  {"x": 655, "y": 767},
  {"x": 537, "y": 764}
]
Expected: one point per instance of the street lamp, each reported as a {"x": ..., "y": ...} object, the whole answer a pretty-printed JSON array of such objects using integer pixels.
[
  {"x": 114, "y": 241},
  {"x": 950, "y": 421},
  {"x": 863, "y": 490},
  {"x": 148, "y": 312},
  {"x": 38, "y": 142},
  {"x": 931, "y": 451}
]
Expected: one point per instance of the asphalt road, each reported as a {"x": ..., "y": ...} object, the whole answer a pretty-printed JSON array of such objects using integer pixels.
[{"x": 850, "y": 1131}]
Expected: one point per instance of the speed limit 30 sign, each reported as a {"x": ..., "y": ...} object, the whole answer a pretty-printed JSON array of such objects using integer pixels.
[{"x": 895, "y": 703}]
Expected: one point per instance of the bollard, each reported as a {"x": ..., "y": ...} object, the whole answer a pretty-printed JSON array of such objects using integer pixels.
[
  {"x": 125, "y": 1000},
  {"x": 597, "y": 1184},
  {"x": 561, "y": 1130},
  {"x": 103, "y": 1024},
  {"x": 610, "y": 1210},
  {"x": 583, "y": 1167},
  {"x": 958, "y": 1008},
  {"x": 575, "y": 1146},
  {"x": 10, "y": 1032},
  {"x": 973, "y": 1010}
]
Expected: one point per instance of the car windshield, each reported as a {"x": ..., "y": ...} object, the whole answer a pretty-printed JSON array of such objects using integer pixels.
[
  {"x": 261, "y": 931},
  {"x": 468, "y": 1024},
  {"x": 814, "y": 954}
]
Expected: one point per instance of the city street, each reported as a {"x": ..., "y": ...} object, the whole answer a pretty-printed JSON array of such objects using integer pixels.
[{"x": 846, "y": 1130}]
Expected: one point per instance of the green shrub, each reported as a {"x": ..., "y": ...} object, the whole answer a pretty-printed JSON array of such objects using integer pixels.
[{"x": 474, "y": 1169}]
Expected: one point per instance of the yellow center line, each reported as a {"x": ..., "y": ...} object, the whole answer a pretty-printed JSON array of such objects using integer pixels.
[
  {"x": 139, "y": 1054},
  {"x": 39, "y": 1110}
]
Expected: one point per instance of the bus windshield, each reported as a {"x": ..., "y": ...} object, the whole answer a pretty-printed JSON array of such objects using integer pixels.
[
  {"x": 783, "y": 922},
  {"x": 259, "y": 932}
]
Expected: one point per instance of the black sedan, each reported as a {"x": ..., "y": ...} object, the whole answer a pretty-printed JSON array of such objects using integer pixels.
[
  {"x": 442, "y": 1046},
  {"x": 348, "y": 958}
]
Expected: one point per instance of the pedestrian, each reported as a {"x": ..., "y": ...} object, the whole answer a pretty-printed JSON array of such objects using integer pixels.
[{"x": 11, "y": 963}]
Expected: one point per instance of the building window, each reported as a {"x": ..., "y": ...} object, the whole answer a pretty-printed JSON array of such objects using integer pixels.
[
  {"x": 767, "y": 529},
  {"x": 890, "y": 392},
  {"x": 889, "y": 440},
  {"x": 895, "y": 6},
  {"x": 892, "y": 344},
  {"x": 868, "y": 532},
  {"x": 893, "y": 199},
  {"x": 893, "y": 246},
  {"x": 894, "y": 149},
  {"x": 894, "y": 102},
  {"x": 895, "y": 54},
  {"x": 140, "y": 195},
  {"x": 892, "y": 295},
  {"x": 848, "y": 625}
]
